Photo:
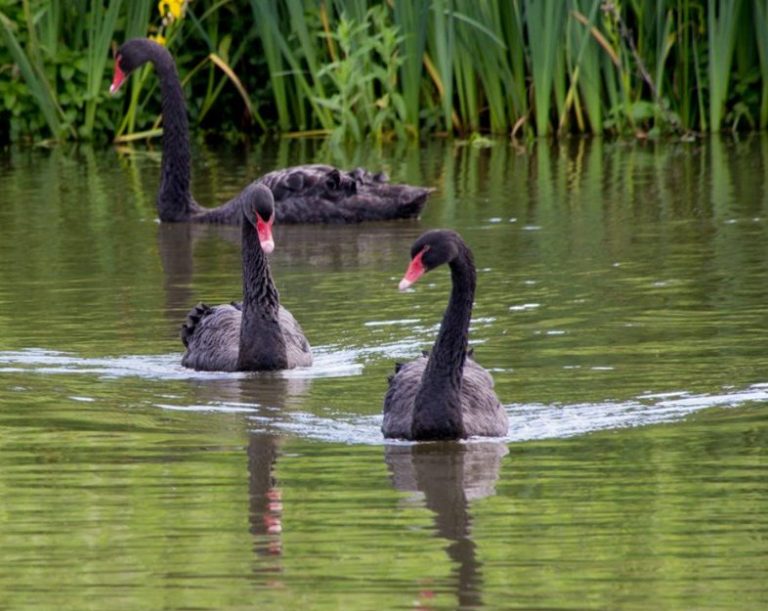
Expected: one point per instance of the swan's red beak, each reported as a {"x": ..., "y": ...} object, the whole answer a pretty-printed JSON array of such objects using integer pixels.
[
  {"x": 264, "y": 228},
  {"x": 118, "y": 78},
  {"x": 415, "y": 271}
]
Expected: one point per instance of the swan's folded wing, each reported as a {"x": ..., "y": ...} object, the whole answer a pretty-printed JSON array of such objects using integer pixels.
[
  {"x": 297, "y": 347},
  {"x": 400, "y": 398},
  {"x": 212, "y": 337},
  {"x": 483, "y": 413}
]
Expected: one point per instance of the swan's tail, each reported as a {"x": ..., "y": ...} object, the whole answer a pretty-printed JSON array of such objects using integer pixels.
[
  {"x": 194, "y": 316},
  {"x": 411, "y": 201},
  {"x": 391, "y": 376}
]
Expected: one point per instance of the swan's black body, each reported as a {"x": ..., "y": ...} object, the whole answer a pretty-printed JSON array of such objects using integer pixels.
[
  {"x": 444, "y": 394},
  {"x": 303, "y": 194},
  {"x": 257, "y": 334}
]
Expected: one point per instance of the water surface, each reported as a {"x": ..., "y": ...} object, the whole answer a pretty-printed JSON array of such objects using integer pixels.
[{"x": 621, "y": 307}]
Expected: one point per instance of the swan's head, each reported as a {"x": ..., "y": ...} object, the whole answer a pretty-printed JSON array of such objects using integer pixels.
[
  {"x": 259, "y": 211},
  {"x": 431, "y": 250},
  {"x": 132, "y": 54}
]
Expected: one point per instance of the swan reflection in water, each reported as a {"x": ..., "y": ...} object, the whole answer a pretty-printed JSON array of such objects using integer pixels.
[
  {"x": 261, "y": 395},
  {"x": 450, "y": 476},
  {"x": 265, "y": 499},
  {"x": 265, "y": 502}
]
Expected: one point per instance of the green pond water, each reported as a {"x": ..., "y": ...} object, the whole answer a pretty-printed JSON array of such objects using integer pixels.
[{"x": 622, "y": 308}]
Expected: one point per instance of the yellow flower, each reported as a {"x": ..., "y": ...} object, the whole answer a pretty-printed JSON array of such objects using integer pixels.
[
  {"x": 172, "y": 9},
  {"x": 158, "y": 38}
]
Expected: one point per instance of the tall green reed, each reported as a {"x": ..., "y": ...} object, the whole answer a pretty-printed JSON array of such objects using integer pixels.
[
  {"x": 453, "y": 66},
  {"x": 442, "y": 45},
  {"x": 761, "y": 35},
  {"x": 544, "y": 22},
  {"x": 515, "y": 85},
  {"x": 100, "y": 33},
  {"x": 411, "y": 18},
  {"x": 483, "y": 74},
  {"x": 722, "y": 19},
  {"x": 295, "y": 88},
  {"x": 584, "y": 57}
]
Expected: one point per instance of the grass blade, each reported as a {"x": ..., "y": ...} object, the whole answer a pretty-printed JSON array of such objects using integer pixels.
[
  {"x": 100, "y": 34},
  {"x": 721, "y": 34},
  {"x": 544, "y": 21}
]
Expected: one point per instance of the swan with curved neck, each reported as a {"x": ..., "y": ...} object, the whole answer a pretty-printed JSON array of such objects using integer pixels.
[
  {"x": 257, "y": 334},
  {"x": 303, "y": 194},
  {"x": 444, "y": 394}
]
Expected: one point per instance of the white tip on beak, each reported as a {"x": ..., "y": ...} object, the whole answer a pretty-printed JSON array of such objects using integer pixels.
[
  {"x": 268, "y": 246},
  {"x": 404, "y": 284},
  {"x": 112, "y": 88}
]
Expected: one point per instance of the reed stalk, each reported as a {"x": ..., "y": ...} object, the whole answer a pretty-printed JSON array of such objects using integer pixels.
[
  {"x": 411, "y": 18},
  {"x": 761, "y": 35},
  {"x": 295, "y": 88},
  {"x": 441, "y": 49},
  {"x": 484, "y": 71},
  {"x": 588, "y": 52},
  {"x": 100, "y": 33},
  {"x": 515, "y": 85},
  {"x": 544, "y": 22},
  {"x": 722, "y": 18},
  {"x": 267, "y": 22}
]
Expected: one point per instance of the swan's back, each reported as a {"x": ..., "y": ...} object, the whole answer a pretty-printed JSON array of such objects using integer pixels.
[
  {"x": 324, "y": 194},
  {"x": 482, "y": 413},
  {"x": 317, "y": 180}
]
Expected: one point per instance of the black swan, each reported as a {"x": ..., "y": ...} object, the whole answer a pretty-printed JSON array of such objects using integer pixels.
[
  {"x": 303, "y": 194},
  {"x": 257, "y": 334},
  {"x": 444, "y": 394}
]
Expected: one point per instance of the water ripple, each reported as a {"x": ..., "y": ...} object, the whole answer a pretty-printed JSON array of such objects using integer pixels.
[
  {"x": 328, "y": 363},
  {"x": 529, "y": 421}
]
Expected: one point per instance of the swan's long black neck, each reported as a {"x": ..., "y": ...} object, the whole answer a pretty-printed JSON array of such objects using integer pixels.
[
  {"x": 437, "y": 410},
  {"x": 262, "y": 345},
  {"x": 174, "y": 202}
]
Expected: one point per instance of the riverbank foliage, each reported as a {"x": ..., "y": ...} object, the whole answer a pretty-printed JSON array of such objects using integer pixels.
[{"x": 355, "y": 69}]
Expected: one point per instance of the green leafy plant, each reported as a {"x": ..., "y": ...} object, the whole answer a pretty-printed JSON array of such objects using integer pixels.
[
  {"x": 21, "y": 41},
  {"x": 364, "y": 96},
  {"x": 363, "y": 68}
]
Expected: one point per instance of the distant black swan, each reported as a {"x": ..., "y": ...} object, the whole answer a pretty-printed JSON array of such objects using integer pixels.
[
  {"x": 303, "y": 194},
  {"x": 444, "y": 394},
  {"x": 259, "y": 333}
]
